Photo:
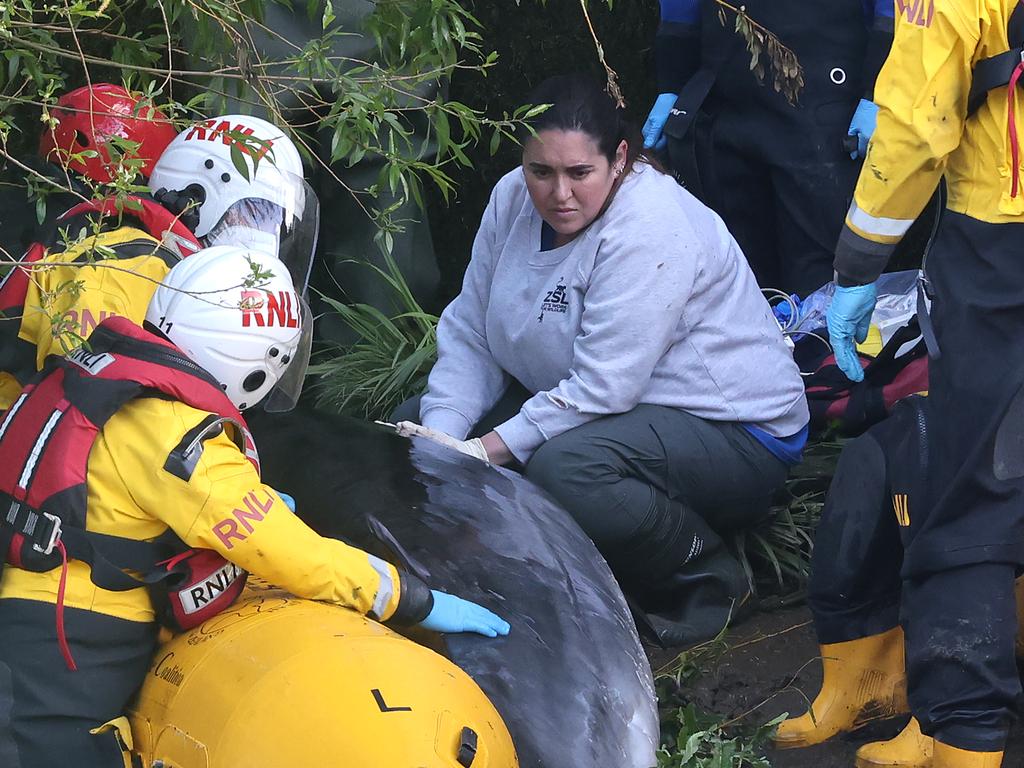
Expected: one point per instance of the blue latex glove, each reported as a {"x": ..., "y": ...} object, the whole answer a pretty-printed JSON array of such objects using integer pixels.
[
  {"x": 863, "y": 125},
  {"x": 288, "y": 500},
  {"x": 656, "y": 121},
  {"x": 453, "y": 614},
  {"x": 849, "y": 318}
]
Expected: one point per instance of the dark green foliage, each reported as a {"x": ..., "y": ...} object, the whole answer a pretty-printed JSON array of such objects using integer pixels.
[{"x": 534, "y": 43}]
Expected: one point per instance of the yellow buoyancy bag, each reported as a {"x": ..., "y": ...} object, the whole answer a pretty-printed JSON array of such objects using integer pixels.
[{"x": 280, "y": 682}]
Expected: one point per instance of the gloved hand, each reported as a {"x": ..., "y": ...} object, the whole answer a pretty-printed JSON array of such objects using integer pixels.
[
  {"x": 453, "y": 614},
  {"x": 288, "y": 500},
  {"x": 848, "y": 319},
  {"x": 656, "y": 121},
  {"x": 863, "y": 125},
  {"x": 472, "y": 447}
]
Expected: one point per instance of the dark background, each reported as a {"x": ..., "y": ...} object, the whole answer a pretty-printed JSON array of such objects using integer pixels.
[{"x": 534, "y": 42}]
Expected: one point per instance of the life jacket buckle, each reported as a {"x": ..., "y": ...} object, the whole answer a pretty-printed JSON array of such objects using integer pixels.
[{"x": 54, "y": 538}]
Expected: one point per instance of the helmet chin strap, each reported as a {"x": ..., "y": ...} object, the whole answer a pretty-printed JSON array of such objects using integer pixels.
[{"x": 183, "y": 203}]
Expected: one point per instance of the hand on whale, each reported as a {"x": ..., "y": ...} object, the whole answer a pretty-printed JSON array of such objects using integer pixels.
[{"x": 453, "y": 614}]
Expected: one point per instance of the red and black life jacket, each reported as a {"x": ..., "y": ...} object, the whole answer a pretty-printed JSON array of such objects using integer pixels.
[{"x": 45, "y": 441}]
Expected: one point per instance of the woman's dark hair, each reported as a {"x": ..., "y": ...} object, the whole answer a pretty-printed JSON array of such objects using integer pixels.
[{"x": 579, "y": 103}]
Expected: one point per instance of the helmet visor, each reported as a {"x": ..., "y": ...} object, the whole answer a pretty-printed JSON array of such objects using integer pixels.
[
  {"x": 286, "y": 391},
  {"x": 285, "y": 227}
]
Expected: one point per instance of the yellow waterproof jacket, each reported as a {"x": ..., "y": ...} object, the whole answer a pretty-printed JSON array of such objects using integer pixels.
[
  {"x": 70, "y": 290},
  {"x": 923, "y": 131},
  {"x": 131, "y": 495}
]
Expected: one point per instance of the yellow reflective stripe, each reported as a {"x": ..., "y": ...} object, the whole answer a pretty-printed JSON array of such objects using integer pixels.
[{"x": 877, "y": 228}]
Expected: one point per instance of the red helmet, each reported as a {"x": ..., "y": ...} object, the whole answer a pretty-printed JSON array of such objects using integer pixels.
[{"x": 88, "y": 116}]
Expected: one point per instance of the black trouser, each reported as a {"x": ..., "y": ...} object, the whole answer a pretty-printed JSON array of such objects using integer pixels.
[
  {"x": 963, "y": 551},
  {"x": 655, "y": 489},
  {"x": 877, "y": 488},
  {"x": 46, "y": 710},
  {"x": 782, "y": 187},
  {"x": 955, "y": 493},
  {"x": 776, "y": 172}
]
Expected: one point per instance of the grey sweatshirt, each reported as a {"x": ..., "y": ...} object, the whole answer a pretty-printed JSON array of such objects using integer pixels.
[{"x": 653, "y": 303}]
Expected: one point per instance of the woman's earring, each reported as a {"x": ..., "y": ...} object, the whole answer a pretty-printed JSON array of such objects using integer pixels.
[{"x": 618, "y": 171}]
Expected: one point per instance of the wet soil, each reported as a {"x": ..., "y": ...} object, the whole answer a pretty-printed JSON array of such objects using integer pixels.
[{"x": 771, "y": 667}]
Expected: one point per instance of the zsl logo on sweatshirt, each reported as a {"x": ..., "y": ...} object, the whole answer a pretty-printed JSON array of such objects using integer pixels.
[{"x": 554, "y": 301}]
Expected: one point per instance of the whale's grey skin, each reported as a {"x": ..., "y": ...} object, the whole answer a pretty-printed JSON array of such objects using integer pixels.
[{"x": 571, "y": 680}]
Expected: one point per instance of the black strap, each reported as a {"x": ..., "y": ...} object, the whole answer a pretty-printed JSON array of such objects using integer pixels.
[
  {"x": 682, "y": 146},
  {"x": 36, "y": 527},
  {"x": 995, "y": 71},
  {"x": 682, "y": 149},
  {"x": 992, "y": 73},
  {"x": 689, "y": 102},
  {"x": 109, "y": 557},
  {"x": 924, "y": 317}
]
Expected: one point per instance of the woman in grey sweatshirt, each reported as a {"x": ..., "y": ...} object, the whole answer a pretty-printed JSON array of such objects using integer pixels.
[{"x": 612, "y": 321}]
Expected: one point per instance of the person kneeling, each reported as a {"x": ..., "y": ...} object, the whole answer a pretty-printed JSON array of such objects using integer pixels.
[
  {"x": 610, "y": 337},
  {"x": 127, "y": 463}
]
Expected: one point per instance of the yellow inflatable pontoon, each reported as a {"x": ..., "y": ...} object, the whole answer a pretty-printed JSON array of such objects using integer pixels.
[{"x": 280, "y": 682}]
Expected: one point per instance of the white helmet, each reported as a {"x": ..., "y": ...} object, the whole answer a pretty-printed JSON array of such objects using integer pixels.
[
  {"x": 234, "y": 311},
  {"x": 269, "y": 207}
]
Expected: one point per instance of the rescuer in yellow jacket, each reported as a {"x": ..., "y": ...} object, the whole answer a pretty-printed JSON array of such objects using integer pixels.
[
  {"x": 106, "y": 257},
  {"x": 949, "y": 106},
  {"x": 153, "y": 414}
]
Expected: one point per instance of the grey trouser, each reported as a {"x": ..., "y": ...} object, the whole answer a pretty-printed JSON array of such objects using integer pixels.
[{"x": 656, "y": 488}]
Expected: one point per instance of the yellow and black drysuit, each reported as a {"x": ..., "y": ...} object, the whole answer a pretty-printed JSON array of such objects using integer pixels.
[
  {"x": 962, "y": 516},
  {"x": 103, "y": 258},
  {"x": 157, "y": 468}
]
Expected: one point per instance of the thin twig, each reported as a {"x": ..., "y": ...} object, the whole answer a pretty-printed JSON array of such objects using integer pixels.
[{"x": 613, "y": 78}]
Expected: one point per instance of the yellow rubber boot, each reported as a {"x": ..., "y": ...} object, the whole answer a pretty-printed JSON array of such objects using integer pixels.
[
  {"x": 910, "y": 749},
  {"x": 946, "y": 756},
  {"x": 862, "y": 680},
  {"x": 1018, "y": 588}
]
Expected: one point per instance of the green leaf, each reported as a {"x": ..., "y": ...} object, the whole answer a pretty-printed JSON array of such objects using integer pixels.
[
  {"x": 238, "y": 160},
  {"x": 328, "y": 15}
]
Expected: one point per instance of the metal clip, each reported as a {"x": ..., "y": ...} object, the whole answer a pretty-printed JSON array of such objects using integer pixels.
[{"x": 54, "y": 535}]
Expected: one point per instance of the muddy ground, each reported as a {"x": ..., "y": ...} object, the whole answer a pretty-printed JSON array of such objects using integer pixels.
[{"x": 770, "y": 660}]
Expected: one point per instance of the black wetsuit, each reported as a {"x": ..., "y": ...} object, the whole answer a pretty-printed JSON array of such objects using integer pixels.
[{"x": 778, "y": 174}]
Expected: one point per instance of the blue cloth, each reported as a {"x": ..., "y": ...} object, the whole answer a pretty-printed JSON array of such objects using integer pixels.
[
  {"x": 680, "y": 11},
  {"x": 547, "y": 236},
  {"x": 788, "y": 450},
  {"x": 875, "y": 8}
]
